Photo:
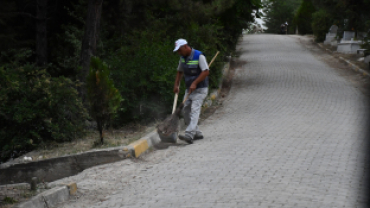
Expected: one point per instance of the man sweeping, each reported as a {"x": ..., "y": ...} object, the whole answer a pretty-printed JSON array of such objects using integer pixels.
[{"x": 194, "y": 67}]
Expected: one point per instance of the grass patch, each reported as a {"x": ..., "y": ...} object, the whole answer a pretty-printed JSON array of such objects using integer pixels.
[
  {"x": 9, "y": 200},
  {"x": 112, "y": 138}
]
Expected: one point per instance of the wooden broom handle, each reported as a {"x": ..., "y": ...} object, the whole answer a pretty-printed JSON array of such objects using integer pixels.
[
  {"x": 175, "y": 102},
  {"x": 209, "y": 65}
]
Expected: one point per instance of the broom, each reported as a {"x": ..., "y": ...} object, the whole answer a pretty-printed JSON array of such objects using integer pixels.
[{"x": 171, "y": 124}]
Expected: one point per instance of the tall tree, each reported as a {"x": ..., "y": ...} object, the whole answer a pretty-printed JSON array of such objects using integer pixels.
[
  {"x": 41, "y": 33},
  {"x": 104, "y": 98},
  {"x": 356, "y": 12},
  {"x": 278, "y": 12},
  {"x": 90, "y": 38},
  {"x": 39, "y": 17},
  {"x": 303, "y": 17}
]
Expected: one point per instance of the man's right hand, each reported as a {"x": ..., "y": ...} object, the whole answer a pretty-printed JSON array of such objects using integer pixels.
[{"x": 176, "y": 89}]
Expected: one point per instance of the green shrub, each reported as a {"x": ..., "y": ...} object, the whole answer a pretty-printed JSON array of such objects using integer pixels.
[
  {"x": 104, "y": 98},
  {"x": 144, "y": 73},
  {"x": 36, "y": 108},
  {"x": 320, "y": 25}
]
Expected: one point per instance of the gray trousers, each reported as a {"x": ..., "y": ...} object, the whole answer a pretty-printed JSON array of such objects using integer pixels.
[{"x": 191, "y": 110}]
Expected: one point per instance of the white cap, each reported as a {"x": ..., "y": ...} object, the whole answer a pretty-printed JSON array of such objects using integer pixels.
[{"x": 179, "y": 43}]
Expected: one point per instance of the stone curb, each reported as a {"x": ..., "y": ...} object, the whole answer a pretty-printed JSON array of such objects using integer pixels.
[
  {"x": 50, "y": 198},
  {"x": 56, "y": 168},
  {"x": 142, "y": 145},
  {"x": 353, "y": 66},
  {"x": 59, "y": 193}
]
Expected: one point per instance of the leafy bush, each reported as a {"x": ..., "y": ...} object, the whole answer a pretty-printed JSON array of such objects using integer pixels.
[
  {"x": 144, "y": 73},
  {"x": 104, "y": 98},
  {"x": 136, "y": 39},
  {"x": 320, "y": 25},
  {"x": 36, "y": 108}
]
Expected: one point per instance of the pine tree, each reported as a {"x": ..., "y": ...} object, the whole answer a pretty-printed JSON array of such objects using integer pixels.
[{"x": 104, "y": 98}]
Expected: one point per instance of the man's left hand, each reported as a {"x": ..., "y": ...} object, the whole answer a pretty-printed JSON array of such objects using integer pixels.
[{"x": 192, "y": 87}]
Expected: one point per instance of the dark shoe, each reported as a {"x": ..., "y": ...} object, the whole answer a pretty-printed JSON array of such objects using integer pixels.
[
  {"x": 198, "y": 136},
  {"x": 186, "y": 138}
]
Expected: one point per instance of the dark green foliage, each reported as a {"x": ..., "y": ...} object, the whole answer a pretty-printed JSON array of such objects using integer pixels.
[
  {"x": 103, "y": 97},
  {"x": 355, "y": 11},
  {"x": 36, "y": 108},
  {"x": 136, "y": 40},
  {"x": 366, "y": 44},
  {"x": 144, "y": 71},
  {"x": 142, "y": 62},
  {"x": 320, "y": 24},
  {"x": 303, "y": 17},
  {"x": 236, "y": 16},
  {"x": 278, "y": 12},
  {"x": 146, "y": 83},
  {"x": 329, "y": 12}
]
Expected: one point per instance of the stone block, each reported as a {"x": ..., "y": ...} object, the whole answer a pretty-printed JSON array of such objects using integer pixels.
[
  {"x": 140, "y": 147},
  {"x": 35, "y": 202},
  {"x": 333, "y": 29},
  {"x": 54, "y": 196},
  {"x": 334, "y": 43},
  {"x": 72, "y": 187},
  {"x": 56, "y": 168},
  {"x": 348, "y": 35},
  {"x": 329, "y": 38},
  {"x": 348, "y": 48},
  {"x": 367, "y": 59}
]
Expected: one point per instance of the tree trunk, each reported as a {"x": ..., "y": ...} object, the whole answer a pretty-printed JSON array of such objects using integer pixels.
[
  {"x": 99, "y": 123},
  {"x": 90, "y": 39},
  {"x": 41, "y": 33}
]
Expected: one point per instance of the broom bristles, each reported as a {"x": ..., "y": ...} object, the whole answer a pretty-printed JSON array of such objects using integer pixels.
[{"x": 171, "y": 123}]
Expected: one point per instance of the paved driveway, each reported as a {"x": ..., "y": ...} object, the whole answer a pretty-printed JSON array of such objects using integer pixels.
[{"x": 290, "y": 134}]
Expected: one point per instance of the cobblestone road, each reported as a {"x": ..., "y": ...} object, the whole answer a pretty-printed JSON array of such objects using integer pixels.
[{"x": 290, "y": 134}]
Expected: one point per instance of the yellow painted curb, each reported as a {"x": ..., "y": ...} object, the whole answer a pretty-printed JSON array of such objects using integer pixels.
[
  {"x": 140, "y": 146},
  {"x": 72, "y": 188},
  {"x": 213, "y": 97}
]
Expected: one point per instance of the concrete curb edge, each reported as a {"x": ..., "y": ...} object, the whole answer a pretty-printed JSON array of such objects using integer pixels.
[
  {"x": 50, "y": 198},
  {"x": 353, "y": 66},
  {"x": 140, "y": 146}
]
